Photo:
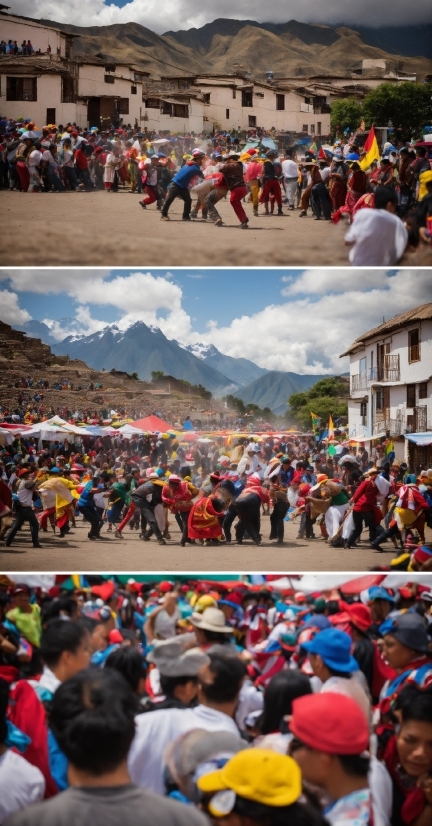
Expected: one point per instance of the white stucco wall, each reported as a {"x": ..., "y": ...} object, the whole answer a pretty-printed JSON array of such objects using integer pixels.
[
  {"x": 12, "y": 28},
  {"x": 48, "y": 96},
  {"x": 290, "y": 119}
]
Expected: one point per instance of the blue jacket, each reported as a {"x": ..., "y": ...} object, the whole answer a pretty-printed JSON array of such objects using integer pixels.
[{"x": 184, "y": 176}]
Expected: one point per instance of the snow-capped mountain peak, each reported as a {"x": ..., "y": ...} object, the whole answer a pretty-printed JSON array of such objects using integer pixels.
[{"x": 201, "y": 349}]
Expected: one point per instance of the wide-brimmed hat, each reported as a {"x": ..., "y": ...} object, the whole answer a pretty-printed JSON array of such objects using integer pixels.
[
  {"x": 173, "y": 659},
  {"x": 212, "y": 619}
]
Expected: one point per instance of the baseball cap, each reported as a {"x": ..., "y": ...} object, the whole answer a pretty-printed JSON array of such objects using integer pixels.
[
  {"x": 378, "y": 592},
  {"x": 260, "y": 775},
  {"x": 334, "y": 648},
  {"x": 408, "y": 629},
  {"x": 330, "y": 722}
]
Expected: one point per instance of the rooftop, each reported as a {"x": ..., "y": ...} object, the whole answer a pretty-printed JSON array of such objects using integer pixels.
[{"x": 422, "y": 313}]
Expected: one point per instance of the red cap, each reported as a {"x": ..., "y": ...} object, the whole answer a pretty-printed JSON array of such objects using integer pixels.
[
  {"x": 165, "y": 587},
  {"x": 330, "y": 722},
  {"x": 359, "y": 614},
  {"x": 115, "y": 637},
  {"x": 297, "y": 477}
]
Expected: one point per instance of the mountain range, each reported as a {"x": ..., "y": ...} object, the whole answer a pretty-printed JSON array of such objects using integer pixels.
[
  {"x": 288, "y": 49},
  {"x": 273, "y": 389},
  {"x": 143, "y": 348}
]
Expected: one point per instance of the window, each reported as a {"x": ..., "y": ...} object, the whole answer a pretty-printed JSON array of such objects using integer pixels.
[
  {"x": 363, "y": 412},
  {"x": 109, "y": 78},
  {"x": 312, "y": 128},
  {"x": 363, "y": 365},
  {"x": 234, "y": 91},
  {"x": 379, "y": 400},
  {"x": 181, "y": 110},
  {"x": 50, "y": 116},
  {"x": 305, "y": 127},
  {"x": 133, "y": 90},
  {"x": 166, "y": 108},
  {"x": 68, "y": 90},
  {"x": 21, "y": 88},
  {"x": 109, "y": 67},
  {"x": 227, "y": 114},
  {"x": 247, "y": 98},
  {"x": 252, "y": 121},
  {"x": 423, "y": 390},
  {"x": 319, "y": 128},
  {"x": 123, "y": 106},
  {"x": 206, "y": 97},
  {"x": 411, "y": 395},
  {"x": 414, "y": 345},
  {"x": 280, "y": 102},
  {"x": 152, "y": 103}
]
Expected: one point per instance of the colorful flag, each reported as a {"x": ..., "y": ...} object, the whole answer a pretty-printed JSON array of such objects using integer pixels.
[
  {"x": 371, "y": 149},
  {"x": 321, "y": 154},
  {"x": 330, "y": 428},
  {"x": 315, "y": 421}
]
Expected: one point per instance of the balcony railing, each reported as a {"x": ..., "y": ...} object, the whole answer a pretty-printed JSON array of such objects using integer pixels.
[
  {"x": 387, "y": 371},
  {"x": 415, "y": 422}
]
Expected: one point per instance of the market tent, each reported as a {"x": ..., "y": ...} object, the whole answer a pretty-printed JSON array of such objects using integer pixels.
[
  {"x": 6, "y": 437},
  {"x": 420, "y": 439},
  {"x": 152, "y": 423}
]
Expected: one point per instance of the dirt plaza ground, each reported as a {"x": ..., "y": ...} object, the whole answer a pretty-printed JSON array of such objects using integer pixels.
[
  {"x": 78, "y": 553},
  {"x": 100, "y": 229}
]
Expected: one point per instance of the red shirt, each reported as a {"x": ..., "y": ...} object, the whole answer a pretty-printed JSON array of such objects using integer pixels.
[
  {"x": 365, "y": 496},
  {"x": 81, "y": 160}
]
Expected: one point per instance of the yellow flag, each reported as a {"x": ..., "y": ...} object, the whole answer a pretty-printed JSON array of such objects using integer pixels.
[{"x": 330, "y": 427}]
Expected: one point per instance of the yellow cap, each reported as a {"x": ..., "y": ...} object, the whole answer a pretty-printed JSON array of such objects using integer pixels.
[
  {"x": 257, "y": 774},
  {"x": 206, "y": 601}
]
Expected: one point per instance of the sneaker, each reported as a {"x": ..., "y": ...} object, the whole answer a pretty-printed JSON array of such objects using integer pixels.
[
  {"x": 303, "y": 214},
  {"x": 255, "y": 212},
  {"x": 244, "y": 225},
  {"x": 218, "y": 222},
  {"x": 161, "y": 541},
  {"x": 109, "y": 529},
  {"x": 165, "y": 217},
  {"x": 280, "y": 212},
  {"x": 90, "y": 536},
  {"x": 142, "y": 204},
  {"x": 118, "y": 535}
]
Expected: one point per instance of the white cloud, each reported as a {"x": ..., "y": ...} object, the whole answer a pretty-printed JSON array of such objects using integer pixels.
[
  {"x": 185, "y": 14},
  {"x": 307, "y": 335},
  {"x": 319, "y": 316},
  {"x": 51, "y": 280},
  {"x": 11, "y": 312},
  {"x": 83, "y": 324},
  {"x": 329, "y": 281}
]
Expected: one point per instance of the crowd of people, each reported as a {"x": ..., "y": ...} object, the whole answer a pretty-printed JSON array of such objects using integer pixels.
[
  {"x": 210, "y": 485},
  {"x": 197, "y": 702},
  {"x": 388, "y": 204}
]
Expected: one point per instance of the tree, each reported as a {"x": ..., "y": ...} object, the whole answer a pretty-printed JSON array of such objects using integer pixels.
[
  {"x": 346, "y": 113},
  {"x": 236, "y": 403},
  {"x": 157, "y": 374},
  {"x": 134, "y": 376},
  {"x": 407, "y": 106},
  {"x": 326, "y": 397}
]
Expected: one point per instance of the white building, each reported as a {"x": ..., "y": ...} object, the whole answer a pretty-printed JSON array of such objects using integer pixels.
[
  {"x": 234, "y": 101},
  {"x": 391, "y": 378}
]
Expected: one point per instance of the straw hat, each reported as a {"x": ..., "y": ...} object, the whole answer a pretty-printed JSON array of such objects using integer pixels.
[{"x": 212, "y": 619}]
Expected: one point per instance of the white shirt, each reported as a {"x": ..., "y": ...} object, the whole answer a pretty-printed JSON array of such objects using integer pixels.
[
  {"x": 381, "y": 787},
  {"x": 35, "y": 157},
  {"x": 325, "y": 173},
  {"x": 156, "y": 729},
  {"x": 289, "y": 169},
  {"x": 20, "y": 782},
  {"x": 351, "y": 687},
  {"x": 25, "y": 496},
  {"x": 379, "y": 238},
  {"x": 49, "y": 680},
  {"x": 250, "y": 699}
]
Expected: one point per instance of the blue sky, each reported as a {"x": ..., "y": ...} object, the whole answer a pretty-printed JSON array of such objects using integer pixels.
[{"x": 291, "y": 320}]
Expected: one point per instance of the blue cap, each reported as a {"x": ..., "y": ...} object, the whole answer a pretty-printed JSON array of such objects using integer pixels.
[
  {"x": 53, "y": 470},
  {"x": 334, "y": 648},
  {"x": 318, "y": 621},
  {"x": 378, "y": 592}
]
